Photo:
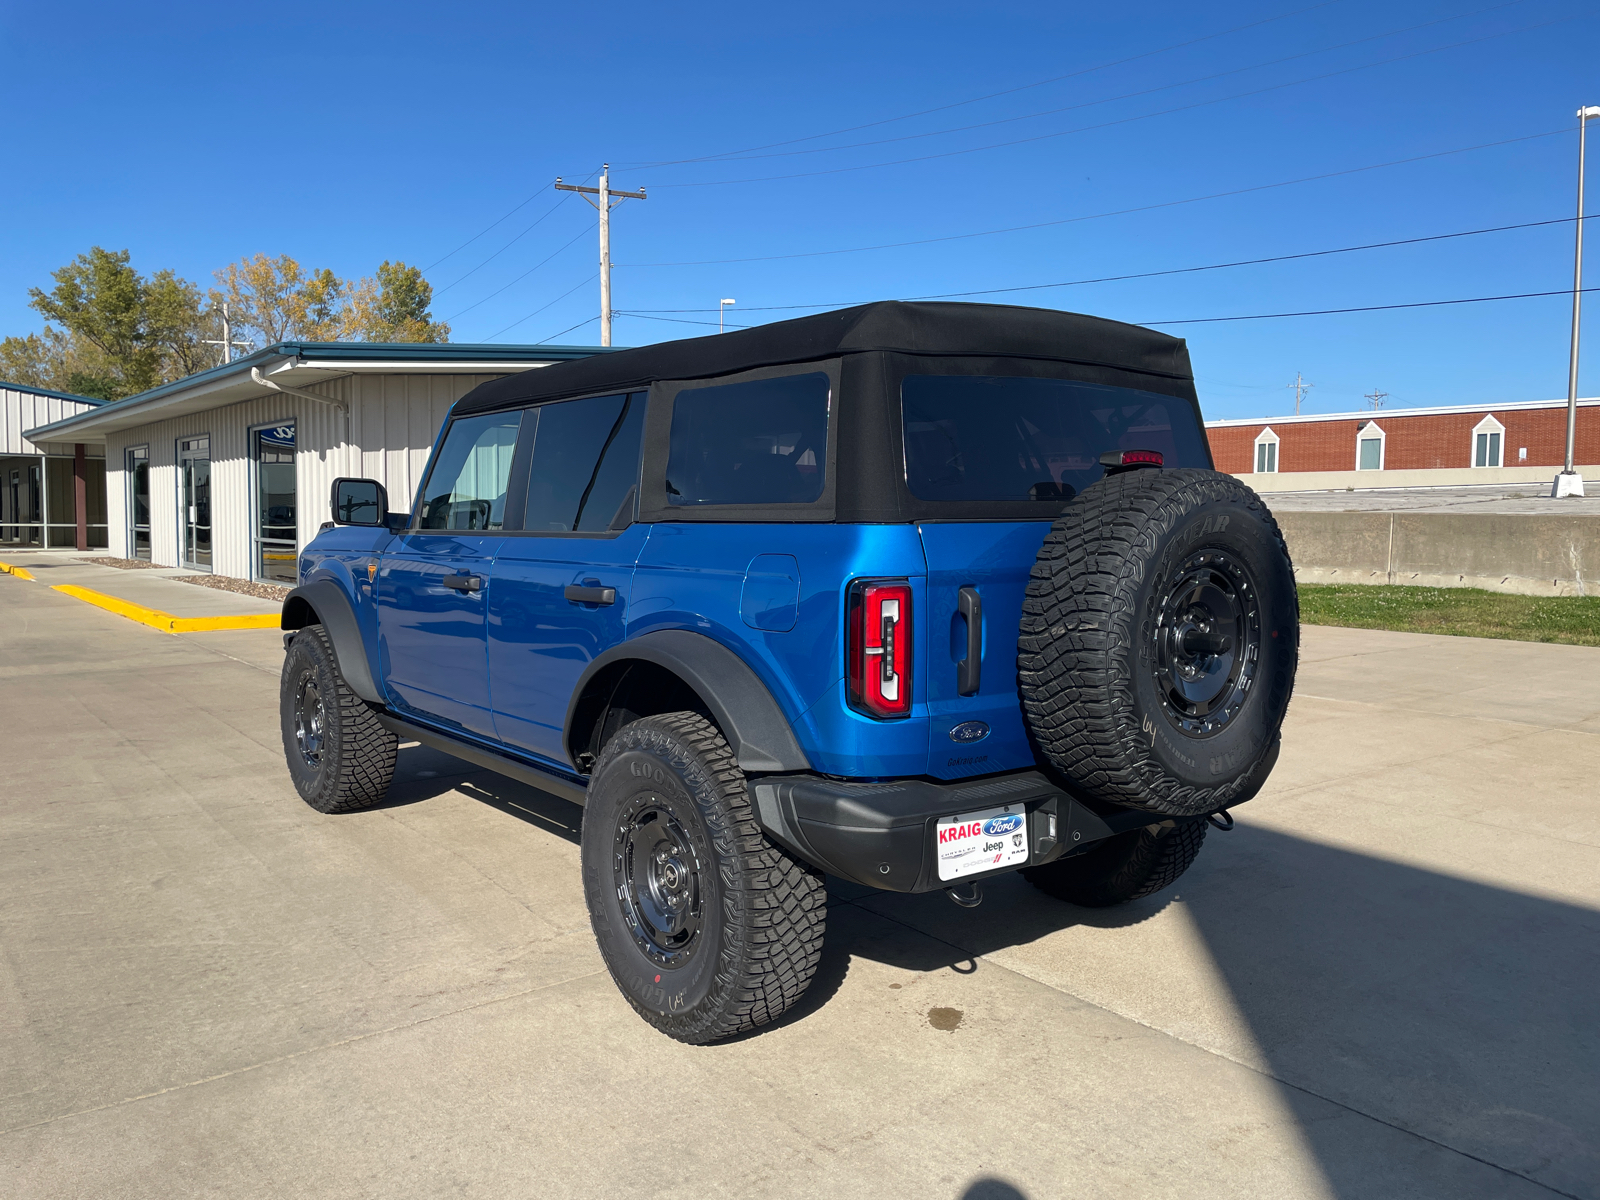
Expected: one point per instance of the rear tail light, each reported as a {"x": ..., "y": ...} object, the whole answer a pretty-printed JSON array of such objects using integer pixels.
[
  {"x": 878, "y": 647},
  {"x": 1126, "y": 460}
]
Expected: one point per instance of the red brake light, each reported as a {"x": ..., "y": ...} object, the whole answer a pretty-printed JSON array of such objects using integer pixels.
[
  {"x": 878, "y": 647},
  {"x": 1122, "y": 460}
]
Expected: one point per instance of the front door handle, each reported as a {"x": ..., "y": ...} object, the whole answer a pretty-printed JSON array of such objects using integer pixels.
[
  {"x": 579, "y": 594},
  {"x": 463, "y": 583},
  {"x": 970, "y": 669}
]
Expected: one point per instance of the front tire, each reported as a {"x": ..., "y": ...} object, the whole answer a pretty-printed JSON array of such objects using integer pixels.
[
  {"x": 707, "y": 928},
  {"x": 1129, "y": 866},
  {"x": 340, "y": 758}
]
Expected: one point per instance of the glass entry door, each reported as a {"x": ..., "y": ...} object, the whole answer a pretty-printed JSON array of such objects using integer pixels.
[
  {"x": 139, "y": 503},
  {"x": 194, "y": 502},
  {"x": 276, "y": 544}
]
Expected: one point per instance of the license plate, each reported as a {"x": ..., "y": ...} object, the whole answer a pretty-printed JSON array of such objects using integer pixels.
[{"x": 982, "y": 841}]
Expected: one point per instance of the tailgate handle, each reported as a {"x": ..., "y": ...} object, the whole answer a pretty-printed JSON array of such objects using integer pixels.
[
  {"x": 970, "y": 669},
  {"x": 579, "y": 594}
]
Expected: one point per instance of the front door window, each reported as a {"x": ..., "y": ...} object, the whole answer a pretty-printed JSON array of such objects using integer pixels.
[
  {"x": 276, "y": 544},
  {"x": 194, "y": 501}
]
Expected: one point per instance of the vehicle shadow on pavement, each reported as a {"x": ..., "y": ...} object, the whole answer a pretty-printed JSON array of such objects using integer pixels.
[
  {"x": 1455, "y": 1010},
  {"x": 422, "y": 773}
]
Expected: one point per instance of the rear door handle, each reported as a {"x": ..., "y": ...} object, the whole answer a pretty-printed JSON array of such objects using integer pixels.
[
  {"x": 579, "y": 594},
  {"x": 463, "y": 583},
  {"x": 970, "y": 669}
]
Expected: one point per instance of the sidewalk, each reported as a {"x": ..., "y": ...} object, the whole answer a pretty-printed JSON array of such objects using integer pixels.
[{"x": 159, "y": 588}]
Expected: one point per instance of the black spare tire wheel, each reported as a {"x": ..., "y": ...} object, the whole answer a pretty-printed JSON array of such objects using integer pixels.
[
  {"x": 1160, "y": 636},
  {"x": 708, "y": 929}
]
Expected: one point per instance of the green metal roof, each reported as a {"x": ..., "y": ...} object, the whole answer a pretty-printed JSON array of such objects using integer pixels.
[{"x": 39, "y": 391}]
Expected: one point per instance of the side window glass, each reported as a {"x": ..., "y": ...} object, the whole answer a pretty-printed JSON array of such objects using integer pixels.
[
  {"x": 467, "y": 487},
  {"x": 585, "y": 467},
  {"x": 760, "y": 442}
]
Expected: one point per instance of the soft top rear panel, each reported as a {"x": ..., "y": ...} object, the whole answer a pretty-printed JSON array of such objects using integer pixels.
[{"x": 940, "y": 329}]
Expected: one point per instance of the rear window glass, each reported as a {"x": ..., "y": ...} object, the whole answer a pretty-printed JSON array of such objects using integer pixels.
[
  {"x": 994, "y": 437},
  {"x": 760, "y": 442},
  {"x": 585, "y": 464}
]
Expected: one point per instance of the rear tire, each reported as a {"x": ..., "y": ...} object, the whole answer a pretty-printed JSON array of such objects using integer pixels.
[
  {"x": 707, "y": 928},
  {"x": 1129, "y": 866},
  {"x": 340, "y": 758}
]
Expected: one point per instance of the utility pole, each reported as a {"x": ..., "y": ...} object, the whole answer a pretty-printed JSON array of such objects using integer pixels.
[
  {"x": 1376, "y": 399},
  {"x": 722, "y": 308},
  {"x": 1301, "y": 387},
  {"x": 228, "y": 343},
  {"x": 1569, "y": 482},
  {"x": 604, "y": 204}
]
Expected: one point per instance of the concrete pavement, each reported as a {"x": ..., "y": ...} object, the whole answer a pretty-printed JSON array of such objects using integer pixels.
[{"x": 1383, "y": 983}]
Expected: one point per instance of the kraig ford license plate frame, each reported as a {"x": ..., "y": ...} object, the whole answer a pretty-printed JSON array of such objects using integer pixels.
[{"x": 990, "y": 839}]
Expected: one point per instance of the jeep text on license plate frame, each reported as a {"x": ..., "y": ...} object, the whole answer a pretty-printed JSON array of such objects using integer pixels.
[{"x": 989, "y": 840}]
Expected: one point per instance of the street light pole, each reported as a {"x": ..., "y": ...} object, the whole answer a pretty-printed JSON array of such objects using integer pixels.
[
  {"x": 1569, "y": 482},
  {"x": 722, "y": 307}
]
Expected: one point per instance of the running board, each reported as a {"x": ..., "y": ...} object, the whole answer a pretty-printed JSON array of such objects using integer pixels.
[{"x": 481, "y": 756}]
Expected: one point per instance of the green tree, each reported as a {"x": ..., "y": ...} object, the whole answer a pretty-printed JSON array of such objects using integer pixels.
[
  {"x": 394, "y": 307},
  {"x": 101, "y": 300}
]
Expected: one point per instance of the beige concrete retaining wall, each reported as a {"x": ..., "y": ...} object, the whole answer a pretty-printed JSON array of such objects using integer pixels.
[
  {"x": 1529, "y": 555},
  {"x": 1361, "y": 481}
]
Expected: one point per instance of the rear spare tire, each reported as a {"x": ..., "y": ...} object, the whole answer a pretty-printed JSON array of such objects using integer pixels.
[{"x": 1160, "y": 636}]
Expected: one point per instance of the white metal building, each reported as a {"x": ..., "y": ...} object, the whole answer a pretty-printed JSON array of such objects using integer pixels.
[
  {"x": 229, "y": 470},
  {"x": 48, "y": 484}
]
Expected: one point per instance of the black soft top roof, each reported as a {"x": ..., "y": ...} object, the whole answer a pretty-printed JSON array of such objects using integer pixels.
[{"x": 905, "y": 327}]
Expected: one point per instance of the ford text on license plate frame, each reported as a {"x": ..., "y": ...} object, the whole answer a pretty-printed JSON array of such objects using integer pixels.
[{"x": 988, "y": 840}]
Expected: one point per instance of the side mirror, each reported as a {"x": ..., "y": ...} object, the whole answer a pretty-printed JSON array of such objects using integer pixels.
[{"x": 360, "y": 502}]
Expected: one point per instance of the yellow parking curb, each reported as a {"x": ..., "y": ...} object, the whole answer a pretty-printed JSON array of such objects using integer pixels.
[
  {"x": 19, "y": 572},
  {"x": 166, "y": 622}
]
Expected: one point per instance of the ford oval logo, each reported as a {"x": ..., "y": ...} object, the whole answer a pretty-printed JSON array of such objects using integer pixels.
[
  {"x": 969, "y": 731},
  {"x": 1001, "y": 825}
]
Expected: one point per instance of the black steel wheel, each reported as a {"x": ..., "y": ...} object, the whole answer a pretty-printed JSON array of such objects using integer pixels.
[
  {"x": 708, "y": 929},
  {"x": 340, "y": 758},
  {"x": 1160, "y": 636}
]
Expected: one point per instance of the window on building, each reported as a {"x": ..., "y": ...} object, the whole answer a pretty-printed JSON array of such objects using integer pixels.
[
  {"x": 584, "y": 473},
  {"x": 1369, "y": 446},
  {"x": 277, "y": 546},
  {"x": 1487, "y": 438},
  {"x": 1266, "y": 452},
  {"x": 138, "y": 461},
  {"x": 466, "y": 488}
]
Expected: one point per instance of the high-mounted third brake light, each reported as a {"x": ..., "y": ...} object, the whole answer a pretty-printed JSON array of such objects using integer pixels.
[
  {"x": 878, "y": 647},
  {"x": 1115, "y": 461}
]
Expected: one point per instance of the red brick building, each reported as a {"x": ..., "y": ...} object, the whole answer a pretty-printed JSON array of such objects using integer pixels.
[{"x": 1473, "y": 442}]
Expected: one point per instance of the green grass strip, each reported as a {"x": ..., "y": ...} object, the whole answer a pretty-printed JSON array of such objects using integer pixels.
[{"x": 1463, "y": 612}]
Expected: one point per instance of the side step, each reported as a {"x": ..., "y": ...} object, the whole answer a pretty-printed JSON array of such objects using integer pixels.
[{"x": 482, "y": 756}]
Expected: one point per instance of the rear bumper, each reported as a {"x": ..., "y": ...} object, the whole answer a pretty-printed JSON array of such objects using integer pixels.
[{"x": 883, "y": 834}]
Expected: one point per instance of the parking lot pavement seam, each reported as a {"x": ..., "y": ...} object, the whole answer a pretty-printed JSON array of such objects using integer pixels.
[
  {"x": 1225, "y": 1057},
  {"x": 283, "y": 1058},
  {"x": 1573, "y": 727},
  {"x": 165, "y": 622}
]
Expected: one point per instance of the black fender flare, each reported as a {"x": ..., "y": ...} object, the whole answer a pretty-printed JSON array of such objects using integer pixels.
[
  {"x": 740, "y": 703},
  {"x": 334, "y": 612}
]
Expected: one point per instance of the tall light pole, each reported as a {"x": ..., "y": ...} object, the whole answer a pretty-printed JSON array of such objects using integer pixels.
[
  {"x": 605, "y": 205},
  {"x": 722, "y": 307},
  {"x": 1569, "y": 482}
]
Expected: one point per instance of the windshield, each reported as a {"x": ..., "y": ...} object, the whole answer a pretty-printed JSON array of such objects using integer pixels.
[{"x": 996, "y": 437}]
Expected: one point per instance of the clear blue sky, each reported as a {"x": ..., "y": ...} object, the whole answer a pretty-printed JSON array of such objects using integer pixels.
[{"x": 345, "y": 134}]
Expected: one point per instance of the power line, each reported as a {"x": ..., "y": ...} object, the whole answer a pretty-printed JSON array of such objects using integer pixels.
[
  {"x": 1328, "y": 312},
  {"x": 548, "y": 213},
  {"x": 542, "y": 307},
  {"x": 521, "y": 277},
  {"x": 1121, "y": 120},
  {"x": 568, "y": 330},
  {"x": 729, "y": 154},
  {"x": 1166, "y": 87}
]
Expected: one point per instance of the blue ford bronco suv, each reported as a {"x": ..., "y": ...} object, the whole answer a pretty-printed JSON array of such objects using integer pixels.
[{"x": 909, "y": 594}]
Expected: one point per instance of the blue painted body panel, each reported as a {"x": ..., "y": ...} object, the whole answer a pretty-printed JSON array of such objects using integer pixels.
[
  {"x": 995, "y": 558},
  {"x": 499, "y": 665}
]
